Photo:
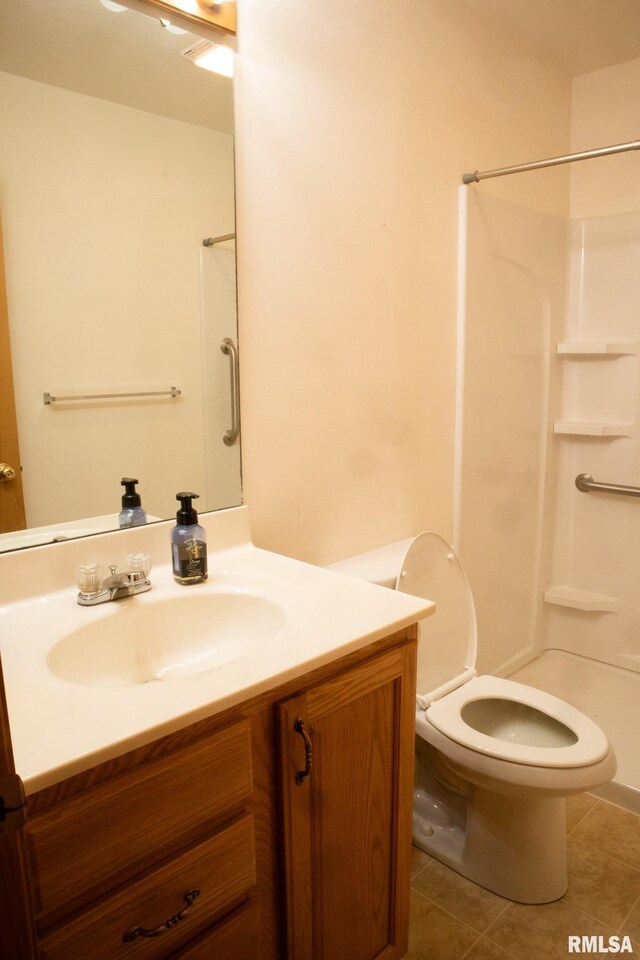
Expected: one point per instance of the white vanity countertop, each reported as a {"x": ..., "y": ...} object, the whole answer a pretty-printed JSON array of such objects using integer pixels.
[{"x": 60, "y": 728}]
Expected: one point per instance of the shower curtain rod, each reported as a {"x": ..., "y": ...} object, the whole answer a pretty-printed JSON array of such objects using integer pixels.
[
  {"x": 477, "y": 176},
  {"x": 210, "y": 241}
]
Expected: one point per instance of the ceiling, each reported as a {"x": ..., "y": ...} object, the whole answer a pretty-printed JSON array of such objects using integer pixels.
[
  {"x": 578, "y": 36},
  {"x": 127, "y": 58}
]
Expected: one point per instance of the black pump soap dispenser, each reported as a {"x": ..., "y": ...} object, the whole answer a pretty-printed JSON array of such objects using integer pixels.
[
  {"x": 188, "y": 543},
  {"x": 132, "y": 514}
]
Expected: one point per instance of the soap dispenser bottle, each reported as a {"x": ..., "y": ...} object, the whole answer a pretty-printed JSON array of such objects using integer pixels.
[
  {"x": 132, "y": 514},
  {"x": 188, "y": 543}
]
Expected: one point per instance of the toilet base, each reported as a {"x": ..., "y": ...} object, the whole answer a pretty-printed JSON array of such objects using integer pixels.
[{"x": 516, "y": 847}]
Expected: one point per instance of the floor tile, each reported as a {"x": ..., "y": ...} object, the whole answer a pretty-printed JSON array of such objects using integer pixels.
[
  {"x": 536, "y": 932},
  {"x": 419, "y": 860},
  {"x": 459, "y": 896},
  {"x": 601, "y": 886},
  {"x": 631, "y": 925},
  {"x": 613, "y": 830},
  {"x": 485, "y": 950},
  {"x": 578, "y": 806},
  {"x": 434, "y": 934}
]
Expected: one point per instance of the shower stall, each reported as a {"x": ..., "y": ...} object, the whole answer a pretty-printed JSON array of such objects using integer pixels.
[{"x": 548, "y": 392}]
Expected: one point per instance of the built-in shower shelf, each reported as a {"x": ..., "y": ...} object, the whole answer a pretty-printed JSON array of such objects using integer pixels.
[
  {"x": 597, "y": 348},
  {"x": 590, "y": 428},
  {"x": 581, "y": 599}
]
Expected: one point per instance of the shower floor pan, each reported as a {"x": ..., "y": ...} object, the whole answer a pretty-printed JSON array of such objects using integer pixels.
[{"x": 611, "y": 697}]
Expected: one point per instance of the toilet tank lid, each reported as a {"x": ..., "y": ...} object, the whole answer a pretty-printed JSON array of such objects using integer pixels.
[{"x": 381, "y": 565}]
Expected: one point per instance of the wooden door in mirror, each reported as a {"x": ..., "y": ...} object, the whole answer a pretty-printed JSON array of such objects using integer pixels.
[{"x": 12, "y": 513}]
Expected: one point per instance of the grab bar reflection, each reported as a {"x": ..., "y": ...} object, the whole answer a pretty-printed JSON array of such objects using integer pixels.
[
  {"x": 586, "y": 483},
  {"x": 229, "y": 348}
]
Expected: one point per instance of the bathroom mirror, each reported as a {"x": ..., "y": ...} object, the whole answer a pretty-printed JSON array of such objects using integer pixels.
[{"x": 116, "y": 165}]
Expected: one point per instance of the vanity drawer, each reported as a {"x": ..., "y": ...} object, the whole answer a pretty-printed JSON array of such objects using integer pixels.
[
  {"x": 88, "y": 844},
  {"x": 222, "y": 868},
  {"x": 234, "y": 938}
]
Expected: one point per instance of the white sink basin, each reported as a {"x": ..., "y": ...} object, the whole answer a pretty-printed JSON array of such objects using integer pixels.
[{"x": 164, "y": 639}]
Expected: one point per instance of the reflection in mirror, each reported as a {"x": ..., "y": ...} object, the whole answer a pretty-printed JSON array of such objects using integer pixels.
[{"x": 117, "y": 163}]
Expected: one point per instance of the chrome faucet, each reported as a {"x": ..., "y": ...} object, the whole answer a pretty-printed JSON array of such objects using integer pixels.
[{"x": 93, "y": 588}]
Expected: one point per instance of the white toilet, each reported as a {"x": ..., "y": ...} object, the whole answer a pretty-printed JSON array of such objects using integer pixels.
[{"x": 495, "y": 759}]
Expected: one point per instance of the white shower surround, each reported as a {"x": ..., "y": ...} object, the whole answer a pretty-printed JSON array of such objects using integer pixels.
[{"x": 522, "y": 528}]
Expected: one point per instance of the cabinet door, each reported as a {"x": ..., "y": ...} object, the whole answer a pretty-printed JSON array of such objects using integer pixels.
[{"x": 347, "y": 784}]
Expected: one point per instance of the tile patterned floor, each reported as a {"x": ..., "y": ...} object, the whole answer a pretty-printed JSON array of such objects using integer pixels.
[{"x": 453, "y": 919}]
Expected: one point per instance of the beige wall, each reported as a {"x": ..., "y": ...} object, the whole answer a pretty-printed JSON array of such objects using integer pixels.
[
  {"x": 606, "y": 110},
  {"x": 352, "y": 134}
]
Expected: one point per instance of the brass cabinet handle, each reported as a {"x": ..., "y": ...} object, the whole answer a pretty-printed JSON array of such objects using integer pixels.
[
  {"x": 7, "y": 472},
  {"x": 136, "y": 932},
  {"x": 298, "y": 726}
]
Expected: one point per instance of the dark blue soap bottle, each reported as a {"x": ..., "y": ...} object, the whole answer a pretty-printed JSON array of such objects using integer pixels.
[{"x": 188, "y": 543}]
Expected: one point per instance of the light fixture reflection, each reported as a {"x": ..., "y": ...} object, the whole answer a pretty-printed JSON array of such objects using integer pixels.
[{"x": 217, "y": 58}]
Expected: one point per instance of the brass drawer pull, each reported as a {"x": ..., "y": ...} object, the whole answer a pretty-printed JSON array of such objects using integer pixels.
[
  {"x": 298, "y": 726},
  {"x": 136, "y": 932}
]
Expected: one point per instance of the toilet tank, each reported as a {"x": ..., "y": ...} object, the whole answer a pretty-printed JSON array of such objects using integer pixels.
[
  {"x": 381, "y": 566},
  {"x": 447, "y": 647}
]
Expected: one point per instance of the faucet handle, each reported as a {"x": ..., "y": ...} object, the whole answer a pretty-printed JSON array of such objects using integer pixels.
[
  {"x": 89, "y": 577},
  {"x": 138, "y": 566}
]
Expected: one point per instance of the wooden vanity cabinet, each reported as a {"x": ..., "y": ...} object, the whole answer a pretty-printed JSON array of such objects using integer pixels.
[{"x": 289, "y": 815}]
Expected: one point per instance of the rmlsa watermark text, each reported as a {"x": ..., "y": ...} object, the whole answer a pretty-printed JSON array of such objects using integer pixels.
[{"x": 599, "y": 944}]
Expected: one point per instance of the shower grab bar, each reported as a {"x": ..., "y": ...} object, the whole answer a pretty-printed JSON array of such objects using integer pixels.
[
  {"x": 229, "y": 348},
  {"x": 479, "y": 175},
  {"x": 172, "y": 392},
  {"x": 585, "y": 483}
]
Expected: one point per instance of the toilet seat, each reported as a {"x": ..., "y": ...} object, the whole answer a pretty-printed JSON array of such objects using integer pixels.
[
  {"x": 446, "y": 715},
  {"x": 447, "y": 680}
]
